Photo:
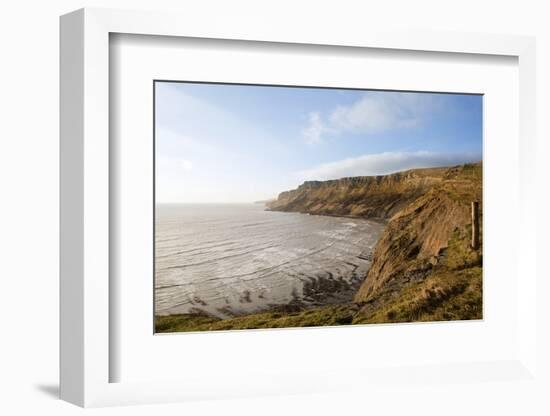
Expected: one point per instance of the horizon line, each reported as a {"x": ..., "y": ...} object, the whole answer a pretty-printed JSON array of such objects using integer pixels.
[{"x": 264, "y": 200}]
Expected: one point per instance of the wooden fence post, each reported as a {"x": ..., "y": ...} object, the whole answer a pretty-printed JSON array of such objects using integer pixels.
[{"x": 475, "y": 225}]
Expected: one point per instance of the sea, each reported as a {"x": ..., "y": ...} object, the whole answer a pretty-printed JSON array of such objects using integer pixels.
[{"x": 235, "y": 259}]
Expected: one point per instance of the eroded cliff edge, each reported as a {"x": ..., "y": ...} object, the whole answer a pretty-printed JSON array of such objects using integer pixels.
[{"x": 361, "y": 196}]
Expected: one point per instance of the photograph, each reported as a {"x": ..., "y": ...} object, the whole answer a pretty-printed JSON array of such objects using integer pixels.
[{"x": 282, "y": 206}]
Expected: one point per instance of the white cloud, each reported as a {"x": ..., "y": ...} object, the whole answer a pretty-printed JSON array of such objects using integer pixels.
[
  {"x": 384, "y": 163},
  {"x": 314, "y": 131},
  {"x": 374, "y": 112}
]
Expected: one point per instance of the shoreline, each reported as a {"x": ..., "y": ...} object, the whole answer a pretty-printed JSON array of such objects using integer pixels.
[
  {"x": 378, "y": 220},
  {"x": 316, "y": 292}
]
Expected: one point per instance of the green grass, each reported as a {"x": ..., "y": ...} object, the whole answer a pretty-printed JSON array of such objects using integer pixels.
[
  {"x": 444, "y": 296},
  {"x": 325, "y": 316},
  {"x": 183, "y": 322}
]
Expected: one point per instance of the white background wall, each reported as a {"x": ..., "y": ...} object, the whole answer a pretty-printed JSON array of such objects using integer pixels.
[{"x": 29, "y": 184}]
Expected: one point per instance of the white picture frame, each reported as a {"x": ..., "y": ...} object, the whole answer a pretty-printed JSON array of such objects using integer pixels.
[{"x": 85, "y": 220}]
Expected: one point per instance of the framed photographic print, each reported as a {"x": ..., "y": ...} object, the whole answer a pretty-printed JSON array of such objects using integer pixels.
[
  {"x": 261, "y": 211},
  {"x": 280, "y": 206}
]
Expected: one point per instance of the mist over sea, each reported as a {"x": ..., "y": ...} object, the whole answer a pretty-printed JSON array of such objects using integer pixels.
[{"x": 234, "y": 259}]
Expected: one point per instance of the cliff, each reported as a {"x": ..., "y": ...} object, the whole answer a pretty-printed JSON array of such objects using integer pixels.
[
  {"x": 362, "y": 196},
  {"x": 427, "y": 210}
]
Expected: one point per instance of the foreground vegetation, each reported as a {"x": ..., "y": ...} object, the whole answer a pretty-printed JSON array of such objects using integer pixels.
[
  {"x": 328, "y": 315},
  {"x": 452, "y": 291}
]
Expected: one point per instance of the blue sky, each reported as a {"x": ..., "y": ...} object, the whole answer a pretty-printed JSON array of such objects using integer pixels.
[{"x": 237, "y": 143}]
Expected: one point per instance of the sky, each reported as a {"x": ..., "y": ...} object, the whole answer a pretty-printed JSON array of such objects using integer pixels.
[{"x": 225, "y": 143}]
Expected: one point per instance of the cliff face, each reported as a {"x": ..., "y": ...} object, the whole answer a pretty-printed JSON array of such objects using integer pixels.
[
  {"x": 424, "y": 208},
  {"x": 416, "y": 237},
  {"x": 363, "y": 196}
]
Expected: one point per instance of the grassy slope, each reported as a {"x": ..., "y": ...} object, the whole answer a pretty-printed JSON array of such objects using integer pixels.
[
  {"x": 451, "y": 291},
  {"x": 329, "y": 315},
  {"x": 444, "y": 286}
]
